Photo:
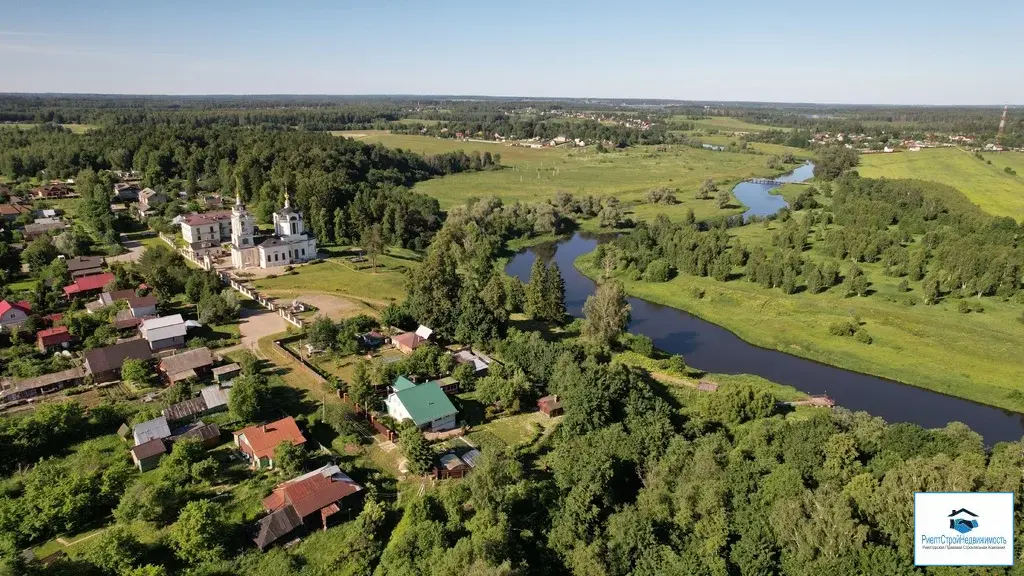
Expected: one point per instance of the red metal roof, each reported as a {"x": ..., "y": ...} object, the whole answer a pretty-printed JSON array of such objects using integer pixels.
[
  {"x": 53, "y": 336},
  {"x": 310, "y": 494},
  {"x": 91, "y": 282},
  {"x": 6, "y": 306}
]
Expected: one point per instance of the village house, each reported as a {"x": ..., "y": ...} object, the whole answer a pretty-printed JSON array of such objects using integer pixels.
[
  {"x": 147, "y": 455},
  {"x": 149, "y": 201},
  {"x": 550, "y": 406},
  {"x": 207, "y": 434},
  {"x": 481, "y": 363},
  {"x": 53, "y": 338},
  {"x": 194, "y": 363},
  {"x": 208, "y": 226},
  {"x": 226, "y": 373},
  {"x": 307, "y": 502},
  {"x": 13, "y": 315},
  {"x": 257, "y": 443},
  {"x": 109, "y": 299},
  {"x": 52, "y": 190},
  {"x": 104, "y": 364},
  {"x": 407, "y": 342},
  {"x": 126, "y": 192},
  {"x": 124, "y": 320},
  {"x": 80, "y": 266},
  {"x": 45, "y": 384},
  {"x": 164, "y": 332},
  {"x": 450, "y": 466},
  {"x": 91, "y": 285},
  {"x": 155, "y": 429},
  {"x": 142, "y": 306},
  {"x": 43, "y": 226},
  {"x": 425, "y": 404},
  {"x": 11, "y": 212}
]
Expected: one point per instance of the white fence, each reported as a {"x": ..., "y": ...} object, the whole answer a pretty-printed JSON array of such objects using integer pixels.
[{"x": 207, "y": 264}]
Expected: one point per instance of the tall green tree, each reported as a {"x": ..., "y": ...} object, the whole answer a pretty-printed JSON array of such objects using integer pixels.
[
  {"x": 199, "y": 533},
  {"x": 607, "y": 313}
]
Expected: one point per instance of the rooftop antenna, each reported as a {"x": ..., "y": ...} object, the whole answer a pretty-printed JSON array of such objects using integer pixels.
[{"x": 1002, "y": 126}]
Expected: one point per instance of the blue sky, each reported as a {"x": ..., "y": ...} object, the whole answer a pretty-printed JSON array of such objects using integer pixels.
[{"x": 898, "y": 52}]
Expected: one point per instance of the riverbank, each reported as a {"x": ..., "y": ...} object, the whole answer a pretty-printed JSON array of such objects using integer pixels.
[{"x": 911, "y": 344}]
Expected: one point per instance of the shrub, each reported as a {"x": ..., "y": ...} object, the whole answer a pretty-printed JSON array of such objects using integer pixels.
[
  {"x": 640, "y": 344},
  {"x": 697, "y": 292},
  {"x": 862, "y": 336},
  {"x": 658, "y": 271},
  {"x": 676, "y": 364},
  {"x": 963, "y": 307},
  {"x": 842, "y": 329}
]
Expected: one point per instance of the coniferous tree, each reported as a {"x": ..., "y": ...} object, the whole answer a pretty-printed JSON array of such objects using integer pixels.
[
  {"x": 534, "y": 303},
  {"x": 554, "y": 294}
]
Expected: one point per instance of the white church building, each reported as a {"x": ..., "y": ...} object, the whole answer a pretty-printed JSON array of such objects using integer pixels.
[{"x": 290, "y": 244}]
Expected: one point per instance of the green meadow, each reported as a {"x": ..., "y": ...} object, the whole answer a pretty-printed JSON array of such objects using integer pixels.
[
  {"x": 911, "y": 343},
  {"x": 532, "y": 175},
  {"x": 986, "y": 185}
]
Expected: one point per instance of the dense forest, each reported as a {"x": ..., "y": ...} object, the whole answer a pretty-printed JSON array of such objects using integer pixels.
[{"x": 342, "y": 185}]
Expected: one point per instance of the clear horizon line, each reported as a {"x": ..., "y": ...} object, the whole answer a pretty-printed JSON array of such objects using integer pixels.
[{"x": 492, "y": 97}]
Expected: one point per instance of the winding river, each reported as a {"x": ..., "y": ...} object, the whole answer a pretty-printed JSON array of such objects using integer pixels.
[{"x": 711, "y": 348}]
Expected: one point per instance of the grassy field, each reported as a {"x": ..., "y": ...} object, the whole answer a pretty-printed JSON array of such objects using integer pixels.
[
  {"x": 338, "y": 275},
  {"x": 911, "y": 343},
  {"x": 986, "y": 185},
  {"x": 76, "y": 128},
  {"x": 626, "y": 174},
  {"x": 533, "y": 175}
]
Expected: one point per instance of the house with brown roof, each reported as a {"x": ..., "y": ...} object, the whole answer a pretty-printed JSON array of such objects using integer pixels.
[
  {"x": 45, "y": 384},
  {"x": 84, "y": 265},
  {"x": 307, "y": 502},
  {"x": 143, "y": 306},
  {"x": 53, "y": 338},
  {"x": 13, "y": 314},
  {"x": 147, "y": 455},
  {"x": 11, "y": 212},
  {"x": 257, "y": 443},
  {"x": 53, "y": 190},
  {"x": 149, "y": 201},
  {"x": 407, "y": 342},
  {"x": 104, "y": 364},
  {"x": 550, "y": 406},
  {"x": 193, "y": 363}
]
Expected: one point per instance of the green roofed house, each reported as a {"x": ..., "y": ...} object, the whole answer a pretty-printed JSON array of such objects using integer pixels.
[
  {"x": 402, "y": 383},
  {"x": 426, "y": 405}
]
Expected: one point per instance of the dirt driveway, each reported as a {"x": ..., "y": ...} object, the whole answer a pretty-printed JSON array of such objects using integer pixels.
[{"x": 256, "y": 324}]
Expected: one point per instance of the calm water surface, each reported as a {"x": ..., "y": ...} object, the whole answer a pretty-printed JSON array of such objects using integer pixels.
[{"x": 711, "y": 348}]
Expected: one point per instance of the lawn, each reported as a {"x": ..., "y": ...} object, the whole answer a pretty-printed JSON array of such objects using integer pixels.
[
  {"x": 986, "y": 185},
  {"x": 911, "y": 343},
  {"x": 338, "y": 275},
  {"x": 515, "y": 429}
]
